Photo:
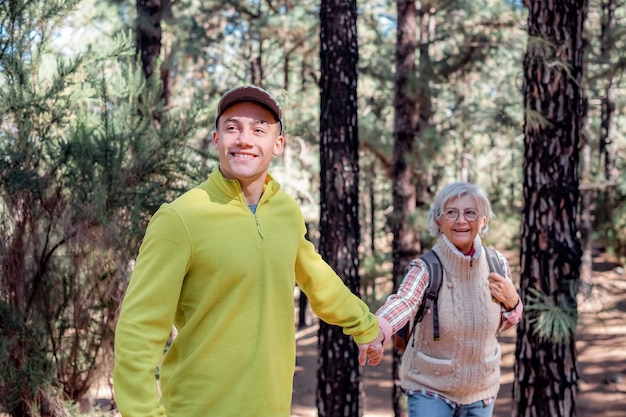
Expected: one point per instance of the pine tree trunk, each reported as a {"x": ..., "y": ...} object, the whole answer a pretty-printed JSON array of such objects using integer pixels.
[
  {"x": 405, "y": 244},
  {"x": 340, "y": 378},
  {"x": 148, "y": 40},
  {"x": 149, "y": 13},
  {"x": 546, "y": 371}
]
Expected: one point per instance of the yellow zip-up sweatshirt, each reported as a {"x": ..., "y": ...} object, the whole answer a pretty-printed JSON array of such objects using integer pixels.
[{"x": 224, "y": 277}]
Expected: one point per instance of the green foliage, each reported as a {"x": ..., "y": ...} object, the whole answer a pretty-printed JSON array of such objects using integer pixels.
[
  {"x": 88, "y": 154},
  {"x": 553, "y": 322},
  {"x": 23, "y": 359},
  {"x": 504, "y": 229},
  {"x": 374, "y": 269},
  {"x": 611, "y": 209}
]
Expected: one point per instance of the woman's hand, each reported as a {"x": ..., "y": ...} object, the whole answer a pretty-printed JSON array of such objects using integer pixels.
[
  {"x": 373, "y": 351},
  {"x": 503, "y": 291}
]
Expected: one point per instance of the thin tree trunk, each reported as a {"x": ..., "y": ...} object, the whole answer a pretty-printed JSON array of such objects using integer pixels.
[
  {"x": 585, "y": 213},
  {"x": 608, "y": 121},
  {"x": 303, "y": 300},
  {"x": 405, "y": 243},
  {"x": 148, "y": 42},
  {"x": 149, "y": 14},
  {"x": 340, "y": 378}
]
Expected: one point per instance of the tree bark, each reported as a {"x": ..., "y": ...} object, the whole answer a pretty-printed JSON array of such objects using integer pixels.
[
  {"x": 546, "y": 371},
  {"x": 148, "y": 43},
  {"x": 340, "y": 378},
  {"x": 405, "y": 244},
  {"x": 149, "y": 14}
]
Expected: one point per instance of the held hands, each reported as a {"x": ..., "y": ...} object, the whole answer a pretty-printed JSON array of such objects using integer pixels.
[
  {"x": 503, "y": 291},
  {"x": 373, "y": 351}
]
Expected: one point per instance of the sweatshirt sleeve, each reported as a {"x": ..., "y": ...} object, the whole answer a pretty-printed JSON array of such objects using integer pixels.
[
  {"x": 330, "y": 299},
  {"x": 147, "y": 314}
]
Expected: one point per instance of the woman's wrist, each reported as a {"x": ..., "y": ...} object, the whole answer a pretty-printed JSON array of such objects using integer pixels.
[
  {"x": 385, "y": 328},
  {"x": 508, "y": 310}
]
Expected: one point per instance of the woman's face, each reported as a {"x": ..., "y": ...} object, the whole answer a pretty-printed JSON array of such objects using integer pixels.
[{"x": 460, "y": 221}]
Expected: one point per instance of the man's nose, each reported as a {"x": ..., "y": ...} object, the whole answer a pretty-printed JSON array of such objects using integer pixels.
[{"x": 244, "y": 137}]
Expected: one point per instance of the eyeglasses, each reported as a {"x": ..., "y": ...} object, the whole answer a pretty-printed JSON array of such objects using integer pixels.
[{"x": 452, "y": 215}]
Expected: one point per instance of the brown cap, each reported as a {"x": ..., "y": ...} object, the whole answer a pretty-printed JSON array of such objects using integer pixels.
[{"x": 249, "y": 93}]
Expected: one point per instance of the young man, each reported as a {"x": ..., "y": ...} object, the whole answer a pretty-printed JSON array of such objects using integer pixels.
[{"x": 220, "y": 264}]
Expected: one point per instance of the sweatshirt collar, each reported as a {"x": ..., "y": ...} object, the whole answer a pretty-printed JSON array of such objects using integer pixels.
[{"x": 231, "y": 189}]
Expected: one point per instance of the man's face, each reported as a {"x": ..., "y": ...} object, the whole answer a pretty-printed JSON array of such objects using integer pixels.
[{"x": 247, "y": 137}]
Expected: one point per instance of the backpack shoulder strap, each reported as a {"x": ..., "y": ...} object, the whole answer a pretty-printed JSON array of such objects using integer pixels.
[
  {"x": 494, "y": 262},
  {"x": 429, "y": 300}
]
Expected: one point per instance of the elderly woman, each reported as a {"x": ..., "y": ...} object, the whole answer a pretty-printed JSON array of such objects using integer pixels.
[{"x": 458, "y": 374}]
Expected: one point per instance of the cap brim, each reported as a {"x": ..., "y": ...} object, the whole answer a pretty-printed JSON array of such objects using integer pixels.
[{"x": 249, "y": 93}]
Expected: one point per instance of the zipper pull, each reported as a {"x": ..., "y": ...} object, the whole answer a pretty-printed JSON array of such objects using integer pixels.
[{"x": 258, "y": 226}]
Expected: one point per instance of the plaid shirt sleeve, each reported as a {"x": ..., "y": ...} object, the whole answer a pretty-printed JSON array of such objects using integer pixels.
[
  {"x": 509, "y": 318},
  {"x": 401, "y": 306}
]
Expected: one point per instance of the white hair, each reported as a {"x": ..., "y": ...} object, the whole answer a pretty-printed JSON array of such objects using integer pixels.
[{"x": 457, "y": 190}]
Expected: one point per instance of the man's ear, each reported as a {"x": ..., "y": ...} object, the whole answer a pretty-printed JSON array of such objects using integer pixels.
[
  {"x": 214, "y": 138},
  {"x": 279, "y": 146}
]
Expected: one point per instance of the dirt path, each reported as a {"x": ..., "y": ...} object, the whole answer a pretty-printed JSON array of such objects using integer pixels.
[{"x": 601, "y": 345}]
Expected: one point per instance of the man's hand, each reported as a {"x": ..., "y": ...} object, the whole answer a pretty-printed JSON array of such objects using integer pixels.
[{"x": 373, "y": 351}]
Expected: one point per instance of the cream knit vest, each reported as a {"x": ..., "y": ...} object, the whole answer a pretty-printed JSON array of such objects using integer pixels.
[{"x": 464, "y": 365}]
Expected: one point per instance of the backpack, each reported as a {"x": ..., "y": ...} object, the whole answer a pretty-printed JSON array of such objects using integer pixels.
[{"x": 435, "y": 273}]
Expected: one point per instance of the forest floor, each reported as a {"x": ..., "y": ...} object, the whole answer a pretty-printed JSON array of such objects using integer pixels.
[{"x": 601, "y": 350}]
